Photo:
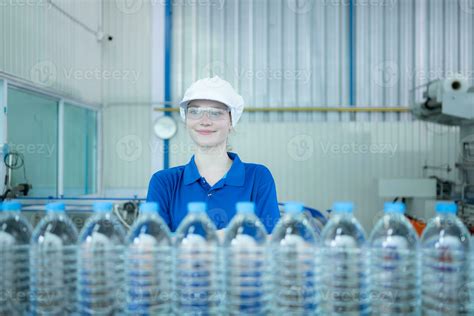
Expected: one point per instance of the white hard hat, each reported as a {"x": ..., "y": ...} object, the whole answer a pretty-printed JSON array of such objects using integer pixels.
[{"x": 215, "y": 89}]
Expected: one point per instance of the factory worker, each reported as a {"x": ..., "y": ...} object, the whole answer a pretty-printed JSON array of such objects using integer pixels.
[{"x": 210, "y": 109}]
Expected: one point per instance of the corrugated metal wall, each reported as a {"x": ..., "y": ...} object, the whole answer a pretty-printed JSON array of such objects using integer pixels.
[
  {"x": 403, "y": 44},
  {"x": 274, "y": 52},
  {"x": 40, "y": 44},
  {"x": 298, "y": 53},
  {"x": 127, "y": 97}
]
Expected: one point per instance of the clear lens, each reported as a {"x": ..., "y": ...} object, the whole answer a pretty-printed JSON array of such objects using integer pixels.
[{"x": 213, "y": 114}]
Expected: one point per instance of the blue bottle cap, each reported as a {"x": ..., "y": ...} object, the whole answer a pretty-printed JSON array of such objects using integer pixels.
[
  {"x": 11, "y": 206},
  {"x": 293, "y": 207},
  {"x": 55, "y": 207},
  {"x": 197, "y": 207},
  {"x": 446, "y": 207},
  {"x": 245, "y": 207},
  {"x": 397, "y": 207},
  {"x": 343, "y": 207},
  {"x": 149, "y": 207},
  {"x": 102, "y": 207}
]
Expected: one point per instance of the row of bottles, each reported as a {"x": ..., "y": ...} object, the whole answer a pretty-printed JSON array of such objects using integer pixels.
[{"x": 54, "y": 270}]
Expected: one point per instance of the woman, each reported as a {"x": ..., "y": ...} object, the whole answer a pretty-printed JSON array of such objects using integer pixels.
[{"x": 211, "y": 108}]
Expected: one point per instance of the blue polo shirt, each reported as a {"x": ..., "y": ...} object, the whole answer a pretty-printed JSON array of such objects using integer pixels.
[{"x": 175, "y": 187}]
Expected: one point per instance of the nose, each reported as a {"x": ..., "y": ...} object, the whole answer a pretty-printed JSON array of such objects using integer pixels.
[{"x": 205, "y": 119}]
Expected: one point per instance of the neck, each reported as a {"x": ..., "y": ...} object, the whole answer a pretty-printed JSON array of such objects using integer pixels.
[{"x": 212, "y": 158}]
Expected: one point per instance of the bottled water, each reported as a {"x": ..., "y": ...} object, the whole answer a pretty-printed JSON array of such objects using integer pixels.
[
  {"x": 343, "y": 264},
  {"x": 445, "y": 266},
  {"x": 53, "y": 263},
  {"x": 246, "y": 269},
  {"x": 394, "y": 266},
  {"x": 315, "y": 224},
  {"x": 148, "y": 264},
  {"x": 100, "y": 263},
  {"x": 198, "y": 274},
  {"x": 15, "y": 235},
  {"x": 293, "y": 246}
]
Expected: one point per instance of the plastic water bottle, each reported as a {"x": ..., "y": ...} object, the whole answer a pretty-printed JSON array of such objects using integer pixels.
[
  {"x": 148, "y": 264},
  {"x": 53, "y": 263},
  {"x": 293, "y": 245},
  {"x": 343, "y": 266},
  {"x": 445, "y": 265},
  {"x": 100, "y": 263},
  {"x": 394, "y": 268},
  {"x": 198, "y": 275},
  {"x": 315, "y": 224},
  {"x": 15, "y": 235},
  {"x": 246, "y": 269}
]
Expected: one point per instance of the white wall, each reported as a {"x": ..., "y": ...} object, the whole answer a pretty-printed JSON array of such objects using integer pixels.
[
  {"x": 127, "y": 97},
  {"x": 41, "y": 45}
]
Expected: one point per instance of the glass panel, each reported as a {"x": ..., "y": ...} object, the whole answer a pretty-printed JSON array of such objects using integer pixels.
[
  {"x": 80, "y": 150},
  {"x": 33, "y": 135}
]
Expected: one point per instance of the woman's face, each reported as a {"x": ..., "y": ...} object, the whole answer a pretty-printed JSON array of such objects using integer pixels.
[{"x": 208, "y": 122}]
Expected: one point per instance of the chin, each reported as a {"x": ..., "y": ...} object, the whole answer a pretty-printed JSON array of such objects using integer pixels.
[
  {"x": 209, "y": 143},
  {"x": 205, "y": 141}
]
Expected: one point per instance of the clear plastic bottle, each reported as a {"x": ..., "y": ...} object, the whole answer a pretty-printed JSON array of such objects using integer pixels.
[
  {"x": 198, "y": 270},
  {"x": 247, "y": 266},
  {"x": 343, "y": 264},
  {"x": 100, "y": 263},
  {"x": 293, "y": 246},
  {"x": 394, "y": 268},
  {"x": 53, "y": 263},
  {"x": 15, "y": 235},
  {"x": 148, "y": 264},
  {"x": 445, "y": 252}
]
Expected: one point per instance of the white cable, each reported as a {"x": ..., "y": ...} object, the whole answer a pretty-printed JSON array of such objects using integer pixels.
[{"x": 72, "y": 18}]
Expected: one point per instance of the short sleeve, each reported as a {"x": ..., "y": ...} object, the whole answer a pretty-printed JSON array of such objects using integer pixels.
[{"x": 158, "y": 192}]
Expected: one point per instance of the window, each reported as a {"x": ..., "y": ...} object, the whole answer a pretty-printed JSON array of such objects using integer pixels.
[
  {"x": 33, "y": 137},
  {"x": 80, "y": 150},
  {"x": 33, "y": 140}
]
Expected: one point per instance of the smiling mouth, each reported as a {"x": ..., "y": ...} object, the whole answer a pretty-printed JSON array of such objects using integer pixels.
[{"x": 204, "y": 132}]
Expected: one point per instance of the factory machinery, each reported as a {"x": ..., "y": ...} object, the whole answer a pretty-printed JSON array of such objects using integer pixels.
[{"x": 448, "y": 102}]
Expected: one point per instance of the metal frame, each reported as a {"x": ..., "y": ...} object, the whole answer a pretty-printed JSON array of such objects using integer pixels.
[
  {"x": 6, "y": 81},
  {"x": 168, "y": 43},
  {"x": 60, "y": 189},
  {"x": 3, "y": 129}
]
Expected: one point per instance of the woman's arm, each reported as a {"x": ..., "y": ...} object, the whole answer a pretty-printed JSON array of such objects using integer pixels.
[{"x": 266, "y": 202}]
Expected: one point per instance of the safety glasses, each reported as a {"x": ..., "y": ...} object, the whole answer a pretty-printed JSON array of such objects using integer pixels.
[{"x": 214, "y": 114}]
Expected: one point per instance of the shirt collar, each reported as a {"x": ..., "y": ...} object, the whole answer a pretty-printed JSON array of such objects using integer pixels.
[{"x": 235, "y": 176}]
